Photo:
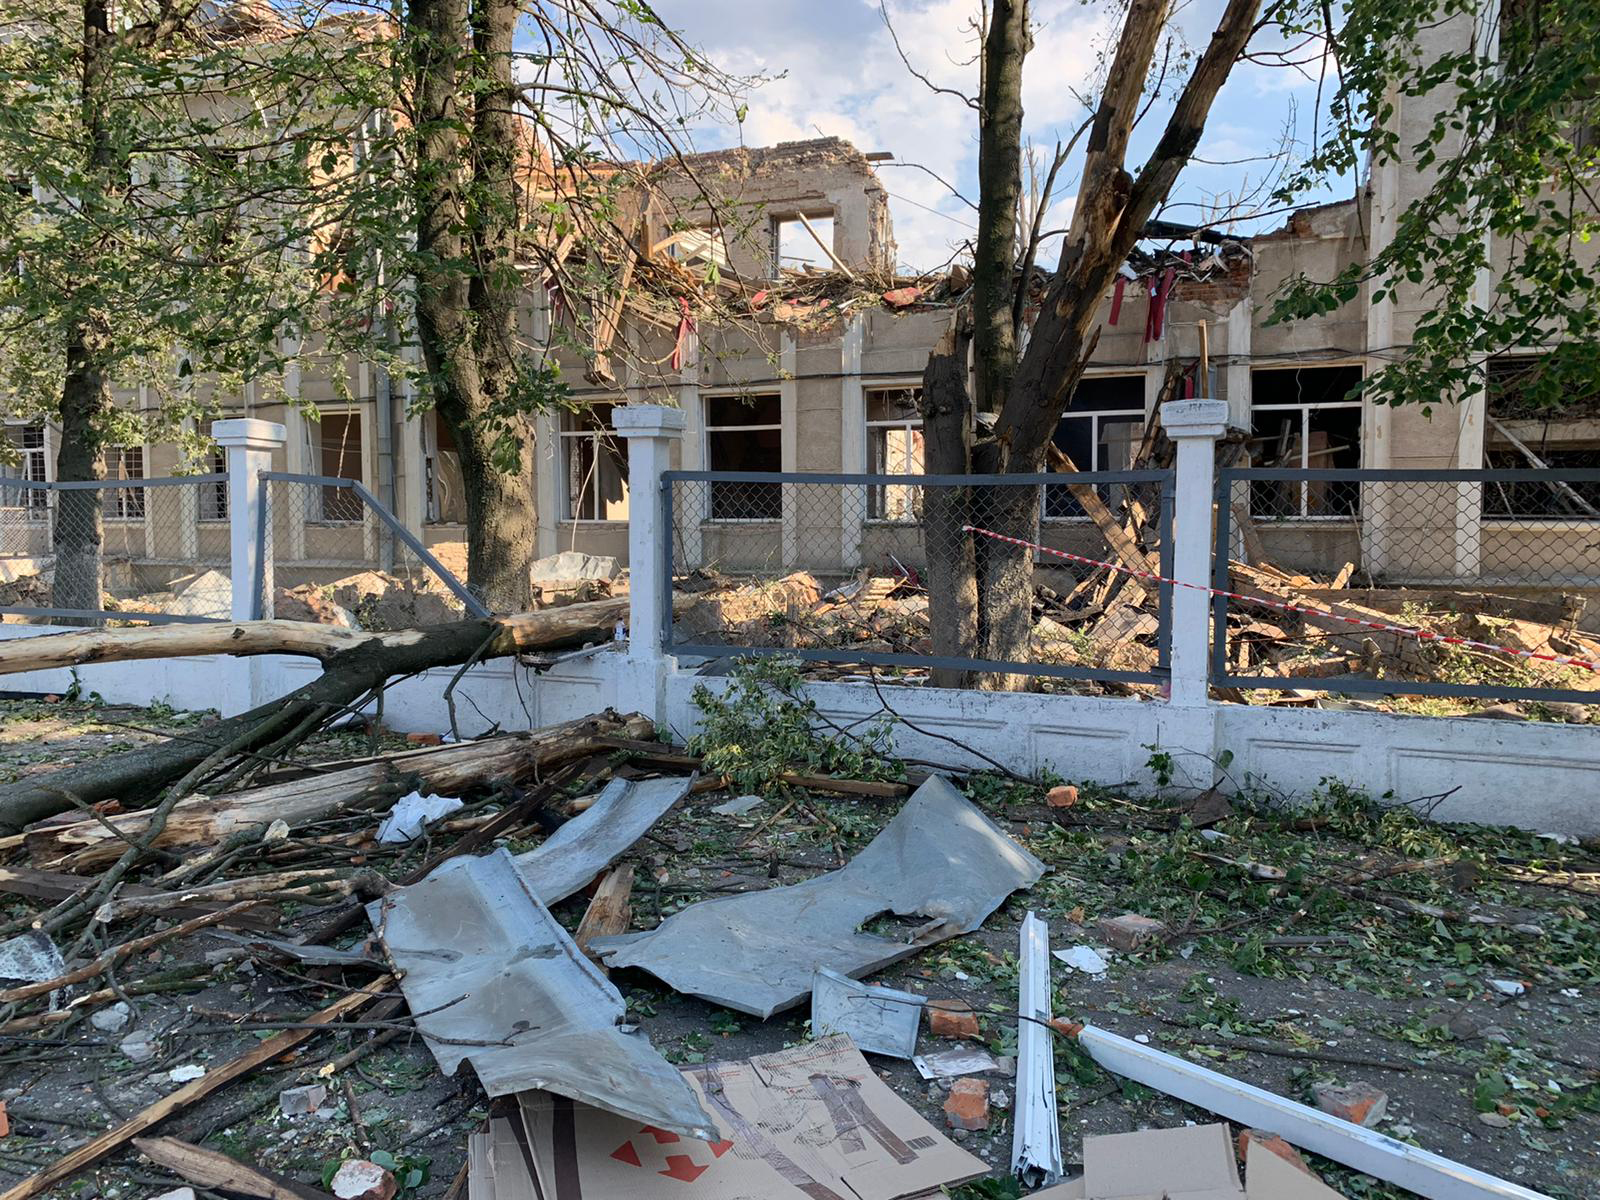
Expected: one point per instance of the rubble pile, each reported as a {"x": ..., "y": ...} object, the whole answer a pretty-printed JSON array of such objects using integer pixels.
[{"x": 585, "y": 963}]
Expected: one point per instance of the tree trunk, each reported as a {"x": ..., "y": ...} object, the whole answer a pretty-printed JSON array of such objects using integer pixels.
[
  {"x": 569, "y": 624},
  {"x": 994, "y": 342},
  {"x": 135, "y": 777},
  {"x": 1112, "y": 210},
  {"x": 77, "y": 536},
  {"x": 448, "y": 770},
  {"x": 466, "y": 300},
  {"x": 947, "y": 450},
  {"x": 85, "y": 392}
]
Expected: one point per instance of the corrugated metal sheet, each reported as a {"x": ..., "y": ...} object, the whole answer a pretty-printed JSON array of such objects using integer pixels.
[
  {"x": 492, "y": 978},
  {"x": 627, "y": 809},
  {"x": 940, "y": 858}
]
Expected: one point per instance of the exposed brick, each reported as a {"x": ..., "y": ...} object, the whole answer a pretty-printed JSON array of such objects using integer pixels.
[
  {"x": 952, "y": 1019},
  {"x": 1064, "y": 796},
  {"x": 1274, "y": 1143},
  {"x": 1359, "y": 1103},
  {"x": 968, "y": 1104},
  {"x": 1130, "y": 931}
]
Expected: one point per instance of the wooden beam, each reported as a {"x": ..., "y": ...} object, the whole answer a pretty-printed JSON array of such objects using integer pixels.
[{"x": 209, "y": 1169}]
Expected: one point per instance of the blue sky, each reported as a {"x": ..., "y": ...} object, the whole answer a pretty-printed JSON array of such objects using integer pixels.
[{"x": 835, "y": 71}]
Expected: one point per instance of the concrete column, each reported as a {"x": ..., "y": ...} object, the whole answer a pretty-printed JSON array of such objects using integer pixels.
[
  {"x": 789, "y": 403},
  {"x": 547, "y": 482},
  {"x": 1194, "y": 426},
  {"x": 852, "y": 440},
  {"x": 650, "y": 430},
  {"x": 249, "y": 443}
]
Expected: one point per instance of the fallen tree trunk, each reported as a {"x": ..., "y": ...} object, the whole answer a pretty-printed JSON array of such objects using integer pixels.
[
  {"x": 136, "y": 777},
  {"x": 326, "y": 643},
  {"x": 87, "y": 845}
]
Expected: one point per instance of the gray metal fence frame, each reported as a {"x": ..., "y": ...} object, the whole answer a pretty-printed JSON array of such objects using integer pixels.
[
  {"x": 108, "y": 485},
  {"x": 393, "y": 523},
  {"x": 1227, "y": 477},
  {"x": 1165, "y": 478}
]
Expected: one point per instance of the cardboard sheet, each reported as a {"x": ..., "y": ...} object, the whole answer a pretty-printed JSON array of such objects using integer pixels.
[
  {"x": 811, "y": 1123},
  {"x": 1268, "y": 1177},
  {"x": 1192, "y": 1163}
]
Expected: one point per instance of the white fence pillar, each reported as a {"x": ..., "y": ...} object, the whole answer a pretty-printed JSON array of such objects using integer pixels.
[
  {"x": 249, "y": 443},
  {"x": 1194, "y": 426},
  {"x": 650, "y": 430}
]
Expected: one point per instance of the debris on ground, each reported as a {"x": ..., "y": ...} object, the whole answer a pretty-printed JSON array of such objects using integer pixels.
[{"x": 198, "y": 994}]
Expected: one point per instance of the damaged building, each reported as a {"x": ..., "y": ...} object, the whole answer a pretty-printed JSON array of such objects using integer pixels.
[{"x": 818, "y": 369}]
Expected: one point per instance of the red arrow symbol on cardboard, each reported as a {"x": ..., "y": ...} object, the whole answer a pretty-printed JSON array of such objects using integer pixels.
[{"x": 682, "y": 1167}]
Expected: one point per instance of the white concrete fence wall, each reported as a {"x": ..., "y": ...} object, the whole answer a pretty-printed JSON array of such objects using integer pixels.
[{"x": 1541, "y": 776}]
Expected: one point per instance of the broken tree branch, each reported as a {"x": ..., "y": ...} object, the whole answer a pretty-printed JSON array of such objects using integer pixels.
[{"x": 92, "y": 1151}]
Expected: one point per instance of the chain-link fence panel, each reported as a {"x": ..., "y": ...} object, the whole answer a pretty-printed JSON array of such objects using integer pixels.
[
  {"x": 335, "y": 556},
  {"x": 913, "y": 574},
  {"x": 1437, "y": 585},
  {"x": 114, "y": 551}
]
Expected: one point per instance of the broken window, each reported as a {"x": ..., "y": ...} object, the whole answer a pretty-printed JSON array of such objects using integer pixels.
[
  {"x": 1300, "y": 418},
  {"x": 594, "y": 467},
  {"x": 444, "y": 491},
  {"x": 745, "y": 433},
  {"x": 1527, "y": 427},
  {"x": 214, "y": 495},
  {"x": 795, "y": 246},
  {"x": 1100, "y": 431},
  {"x": 27, "y": 461},
  {"x": 894, "y": 447},
  {"x": 339, "y": 447},
  {"x": 125, "y": 504}
]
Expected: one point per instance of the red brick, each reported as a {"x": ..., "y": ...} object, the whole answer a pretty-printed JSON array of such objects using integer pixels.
[
  {"x": 1360, "y": 1103},
  {"x": 1274, "y": 1143},
  {"x": 358, "y": 1179},
  {"x": 1130, "y": 931},
  {"x": 968, "y": 1105},
  {"x": 952, "y": 1019},
  {"x": 1064, "y": 796}
]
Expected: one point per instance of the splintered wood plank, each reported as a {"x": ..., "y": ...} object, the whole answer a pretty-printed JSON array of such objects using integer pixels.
[{"x": 610, "y": 912}]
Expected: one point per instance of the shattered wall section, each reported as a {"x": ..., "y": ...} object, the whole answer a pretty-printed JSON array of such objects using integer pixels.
[{"x": 750, "y": 189}]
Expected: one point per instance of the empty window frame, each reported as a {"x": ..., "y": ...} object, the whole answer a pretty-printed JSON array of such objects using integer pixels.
[
  {"x": 339, "y": 456},
  {"x": 213, "y": 496},
  {"x": 594, "y": 467},
  {"x": 1100, "y": 431},
  {"x": 29, "y": 460},
  {"x": 1300, "y": 418},
  {"x": 894, "y": 447},
  {"x": 1560, "y": 431},
  {"x": 125, "y": 503},
  {"x": 745, "y": 433},
  {"x": 793, "y": 245}
]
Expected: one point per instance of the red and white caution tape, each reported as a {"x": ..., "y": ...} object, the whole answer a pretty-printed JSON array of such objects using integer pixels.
[{"x": 1422, "y": 635}]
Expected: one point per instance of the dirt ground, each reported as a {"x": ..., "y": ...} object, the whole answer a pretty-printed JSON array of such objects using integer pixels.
[{"x": 1335, "y": 942}]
